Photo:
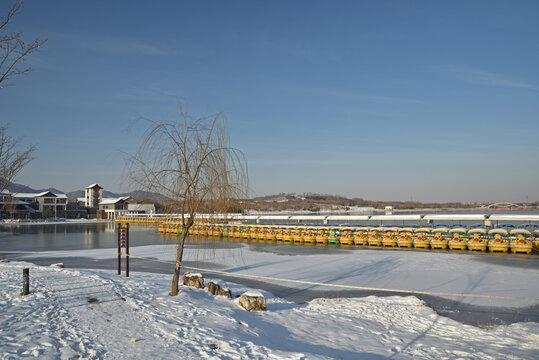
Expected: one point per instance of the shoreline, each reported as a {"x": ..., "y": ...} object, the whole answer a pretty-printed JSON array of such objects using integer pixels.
[{"x": 55, "y": 222}]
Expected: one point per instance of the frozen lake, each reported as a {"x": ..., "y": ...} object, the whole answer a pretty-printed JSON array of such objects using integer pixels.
[
  {"x": 52, "y": 237},
  {"x": 62, "y": 237}
]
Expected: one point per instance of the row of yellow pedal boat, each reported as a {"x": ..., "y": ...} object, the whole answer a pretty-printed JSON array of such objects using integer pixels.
[
  {"x": 138, "y": 219},
  {"x": 441, "y": 238}
]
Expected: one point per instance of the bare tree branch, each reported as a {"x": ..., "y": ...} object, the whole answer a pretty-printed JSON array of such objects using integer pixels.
[
  {"x": 13, "y": 49},
  {"x": 12, "y": 160}
]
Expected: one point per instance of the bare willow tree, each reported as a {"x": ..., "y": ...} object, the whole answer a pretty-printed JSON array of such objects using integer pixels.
[
  {"x": 190, "y": 161},
  {"x": 12, "y": 160},
  {"x": 13, "y": 49}
]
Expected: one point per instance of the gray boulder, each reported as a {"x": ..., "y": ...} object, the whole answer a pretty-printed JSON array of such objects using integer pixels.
[
  {"x": 193, "y": 280},
  {"x": 217, "y": 289},
  {"x": 253, "y": 301}
]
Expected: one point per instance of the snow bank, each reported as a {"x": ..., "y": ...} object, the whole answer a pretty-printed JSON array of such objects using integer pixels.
[
  {"x": 53, "y": 222},
  {"x": 253, "y": 293},
  {"x": 98, "y": 314},
  {"x": 195, "y": 275}
]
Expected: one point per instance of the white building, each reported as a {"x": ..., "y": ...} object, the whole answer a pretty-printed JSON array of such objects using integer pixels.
[
  {"x": 141, "y": 208},
  {"x": 93, "y": 195},
  {"x": 113, "y": 207},
  {"x": 47, "y": 203}
]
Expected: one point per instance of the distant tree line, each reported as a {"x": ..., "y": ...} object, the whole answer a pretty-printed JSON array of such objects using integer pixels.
[{"x": 317, "y": 202}]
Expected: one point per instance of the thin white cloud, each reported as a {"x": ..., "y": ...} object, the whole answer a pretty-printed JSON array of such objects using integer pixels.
[
  {"x": 129, "y": 46},
  {"x": 354, "y": 96},
  {"x": 482, "y": 77},
  {"x": 149, "y": 93},
  {"x": 381, "y": 99},
  {"x": 108, "y": 44}
]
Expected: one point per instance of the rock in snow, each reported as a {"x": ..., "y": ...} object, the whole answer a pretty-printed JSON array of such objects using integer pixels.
[
  {"x": 217, "y": 289},
  {"x": 253, "y": 301},
  {"x": 193, "y": 280}
]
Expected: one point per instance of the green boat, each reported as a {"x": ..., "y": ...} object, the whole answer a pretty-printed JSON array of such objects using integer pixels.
[{"x": 334, "y": 236}]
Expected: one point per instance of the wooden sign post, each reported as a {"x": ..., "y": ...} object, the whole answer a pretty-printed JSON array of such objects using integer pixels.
[
  {"x": 25, "y": 281},
  {"x": 123, "y": 242}
]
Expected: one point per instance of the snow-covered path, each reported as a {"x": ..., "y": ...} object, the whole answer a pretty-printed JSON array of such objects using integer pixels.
[
  {"x": 97, "y": 314},
  {"x": 60, "y": 319}
]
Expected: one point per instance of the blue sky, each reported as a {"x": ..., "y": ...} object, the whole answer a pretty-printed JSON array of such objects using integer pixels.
[{"x": 385, "y": 100}]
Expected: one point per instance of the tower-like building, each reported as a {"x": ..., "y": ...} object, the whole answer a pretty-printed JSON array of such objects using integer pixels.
[{"x": 93, "y": 196}]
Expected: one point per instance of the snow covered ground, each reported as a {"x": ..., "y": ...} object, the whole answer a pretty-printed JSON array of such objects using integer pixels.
[
  {"x": 96, "y": 314},
  {"x": 489, "y": 283}
]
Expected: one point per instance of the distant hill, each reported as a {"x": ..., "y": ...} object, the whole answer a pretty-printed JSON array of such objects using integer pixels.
[
  {"x": 73, "y": 195},
  {"x": 146, "y": 196},
  {"x": 310, "y": 202},
  {"x": 137, "y": 194},
  {"x": 19, "y": 188},
  {"x": 324, "y": 202}
]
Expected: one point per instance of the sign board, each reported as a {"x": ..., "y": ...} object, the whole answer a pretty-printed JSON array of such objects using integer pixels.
[
  {"x": 123, "y": 237},
  {"x": 123, "y": 242}
]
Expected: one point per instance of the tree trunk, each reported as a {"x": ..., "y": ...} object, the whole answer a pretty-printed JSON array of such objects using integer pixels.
[
  {"x": 175, "y": 279},
  {"x": 179, "y": 254}
]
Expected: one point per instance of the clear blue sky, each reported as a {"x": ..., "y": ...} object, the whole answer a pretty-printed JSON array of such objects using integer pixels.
[{"x": 385, "y": 100}]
